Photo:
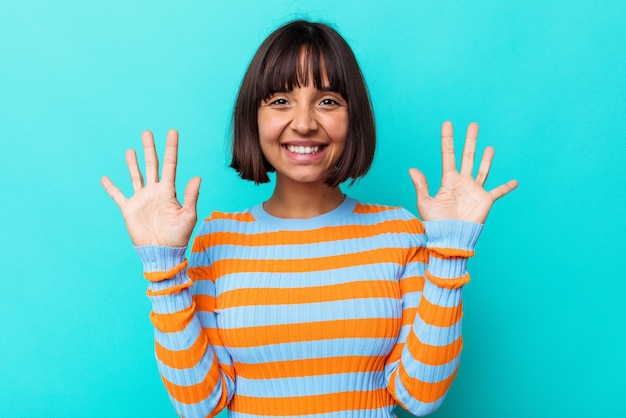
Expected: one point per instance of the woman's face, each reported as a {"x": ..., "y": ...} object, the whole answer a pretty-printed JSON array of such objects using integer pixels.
[{"x": 303, "y": 132}]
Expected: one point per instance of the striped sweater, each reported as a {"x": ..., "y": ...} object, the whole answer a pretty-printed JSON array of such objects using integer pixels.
[{"x": 342, "y": 315}]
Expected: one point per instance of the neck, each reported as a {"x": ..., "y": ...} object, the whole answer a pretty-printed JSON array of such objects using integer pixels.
[{"x": 292, "y": 200}]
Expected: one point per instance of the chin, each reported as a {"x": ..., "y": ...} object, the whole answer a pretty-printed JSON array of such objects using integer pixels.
[{"x": 307, "y": 178}]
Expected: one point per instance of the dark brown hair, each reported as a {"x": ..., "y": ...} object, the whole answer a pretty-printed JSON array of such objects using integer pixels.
[{"x": 278, "y": 66}]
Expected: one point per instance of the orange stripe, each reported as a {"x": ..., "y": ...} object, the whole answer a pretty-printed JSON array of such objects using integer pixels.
[
  {"x": 200, "y": 273},
  {"x": 367, "y": 208},
  {"x": 315, "y": 404},
  {"x": 395, "y": 353},
  {"x": 450, "y": 252},
  {"x": 173, "y": 322},
  {"x": 241, "y": 217},
  {"x": 448, "y": 283},
  {"x": 170, "y": 290},
  {"x": 382, "y": 255},
  {"x": 313, "y": 294},
  {"x": 204, "y": 303},
  {"x": 310, "y": 331},
  {"x": 424, "y": 391},
  {"x": 311, "y": 367},
  {"x": 412, "y": 284},
  {"x": 157, "y": 276},
  {"x": 213, "y": 334},
  {"x": 408, "y": 316},
  {"x": 440, "y": 316},
  {"x": 195, "y": 393},
  {"x": 433, "y": 355},
  {"x": 321, "y": 235},
  {"x": 182, "y": 359}
]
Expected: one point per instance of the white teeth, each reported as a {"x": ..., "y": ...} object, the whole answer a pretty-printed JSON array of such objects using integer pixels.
[{"x": 303, "y": 150}]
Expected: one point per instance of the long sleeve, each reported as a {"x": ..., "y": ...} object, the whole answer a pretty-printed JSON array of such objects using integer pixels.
[
  {"x": 199, "y": 382},
  {"x": 425, "y": 360}
]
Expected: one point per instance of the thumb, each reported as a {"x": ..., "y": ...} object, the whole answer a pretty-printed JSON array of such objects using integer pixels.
[
  {"x": 191, "y": 193},
  {"x": 420, "y": 183}
]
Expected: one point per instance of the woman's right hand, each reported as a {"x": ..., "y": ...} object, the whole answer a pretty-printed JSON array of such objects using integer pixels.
[{"x": 153, "y": 215}]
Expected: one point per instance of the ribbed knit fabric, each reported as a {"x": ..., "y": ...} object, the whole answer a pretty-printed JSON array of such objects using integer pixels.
[{"x": 343, "y": 315}]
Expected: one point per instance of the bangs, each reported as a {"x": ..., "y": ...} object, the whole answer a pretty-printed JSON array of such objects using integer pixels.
[{"x": 293, "y": 64}]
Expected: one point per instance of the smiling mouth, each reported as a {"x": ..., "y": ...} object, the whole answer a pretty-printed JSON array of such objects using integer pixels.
[{"x": 298, "y": 149}]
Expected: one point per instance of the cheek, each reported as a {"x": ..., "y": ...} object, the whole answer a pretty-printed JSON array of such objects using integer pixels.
[
  {"x": 345, "y": 131},
  {"x": 269, "y": 129},
  {"x": 340, "y": 130}
]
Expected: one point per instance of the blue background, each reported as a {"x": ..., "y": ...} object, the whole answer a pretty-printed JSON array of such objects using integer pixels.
[{"x": 79, "y": 81}]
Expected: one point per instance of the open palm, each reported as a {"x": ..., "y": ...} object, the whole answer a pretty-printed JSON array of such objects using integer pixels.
[
  {"x": 153, "y": 215},
  {"x": 461, "y": 197}
]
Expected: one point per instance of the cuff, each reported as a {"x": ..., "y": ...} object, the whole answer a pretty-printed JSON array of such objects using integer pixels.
[
  {"x": 452, "y": 234},
  {"x": 450, "y": 244},
  {"x": 157, "y": 258},
  {"x": 164, "y": 267}
]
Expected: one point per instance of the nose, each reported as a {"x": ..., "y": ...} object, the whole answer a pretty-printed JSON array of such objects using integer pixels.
[{"x": 304, "y": 121}]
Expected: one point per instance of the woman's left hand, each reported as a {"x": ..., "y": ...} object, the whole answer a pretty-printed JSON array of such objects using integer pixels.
[{"x": 461, "y": 197}]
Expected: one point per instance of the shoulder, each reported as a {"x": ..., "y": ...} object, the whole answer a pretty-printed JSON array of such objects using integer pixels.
[
  {"x": 216, "y": 217},
  {"x": 225, "y": 221},
  {"x": 385, "y": 214}
]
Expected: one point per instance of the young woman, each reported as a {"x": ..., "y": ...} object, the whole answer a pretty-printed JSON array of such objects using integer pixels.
[{"x": 310, "y": 303}]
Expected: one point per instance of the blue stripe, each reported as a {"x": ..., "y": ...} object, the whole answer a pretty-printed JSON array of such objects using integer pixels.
[
  {"x": 160, "y": 258},
  {"x": 425, "y": 372},
  {"x": 261, "y": 315},
  {"x": 437, "y": 336},
  {"x": 414, "y": 268},
  {"x": 394, "y": 241},
  {"x": 191, "y": 376},
  {"x": 310, "y": 385},
  {"x": 203, "y": 287},
  {"x": 207, "y": 319},
  {"x": 294, "y": 280},
  {"x": 177, "y": 341},
  {"x": 222, "y": 355},
  {"x": 313, "y": 349},
  {"x": 386, "y": 412},
  {"x": 404, "y": 333},
  {"x": 171, "y": 303},
  {"x": 442, "y": 297},
  {"x": 448, "y": 268},
  {"x": 411, "y": 299},
  {"x": 464, "y": 237}
]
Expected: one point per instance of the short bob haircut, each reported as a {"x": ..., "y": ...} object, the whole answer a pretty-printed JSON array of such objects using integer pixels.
[{"x": 278, "y": 66}]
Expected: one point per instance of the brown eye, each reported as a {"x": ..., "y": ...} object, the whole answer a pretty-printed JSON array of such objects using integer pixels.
[
  {"x": 329, "y": 102},
  {"x": 278, "y": 102}
]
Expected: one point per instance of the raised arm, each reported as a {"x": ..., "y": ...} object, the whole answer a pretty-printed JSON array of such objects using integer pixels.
[
  {"x": 197, "y": 375},
  {"x": 425, "y": 361}
]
